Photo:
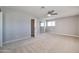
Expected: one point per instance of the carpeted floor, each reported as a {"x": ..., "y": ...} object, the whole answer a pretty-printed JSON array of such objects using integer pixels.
[{"x": 45, "y": 43}]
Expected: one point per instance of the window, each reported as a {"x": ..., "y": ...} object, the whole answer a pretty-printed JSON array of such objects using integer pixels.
[
  {"x": 42, "y": 24},
  {"x": 51, "y": 23}
]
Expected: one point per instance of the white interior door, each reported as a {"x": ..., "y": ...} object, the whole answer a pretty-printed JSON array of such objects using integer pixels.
[{"x": 1, "y": 29}]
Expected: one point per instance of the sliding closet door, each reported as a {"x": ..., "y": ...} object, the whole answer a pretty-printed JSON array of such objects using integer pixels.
[{"x": 1, "y": 29}]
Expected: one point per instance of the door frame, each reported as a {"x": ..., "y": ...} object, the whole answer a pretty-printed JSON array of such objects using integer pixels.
[{"x": 32, "y": 27}]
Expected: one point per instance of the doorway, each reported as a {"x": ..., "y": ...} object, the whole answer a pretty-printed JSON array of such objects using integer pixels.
[{"x": 32, "y": 28}]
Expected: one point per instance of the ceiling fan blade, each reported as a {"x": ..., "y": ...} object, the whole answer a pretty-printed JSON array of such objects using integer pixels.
[
  {"x": 49, "y": 12},
  {"x": 52, "y": 10},
  {"x": 54, "y": 14}
]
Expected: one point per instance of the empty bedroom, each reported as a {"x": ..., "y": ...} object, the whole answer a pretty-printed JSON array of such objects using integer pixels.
[{"x": 39, "y": 29}]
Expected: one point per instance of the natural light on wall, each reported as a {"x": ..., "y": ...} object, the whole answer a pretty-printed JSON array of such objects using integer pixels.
[{"x": 51, "y": 23}]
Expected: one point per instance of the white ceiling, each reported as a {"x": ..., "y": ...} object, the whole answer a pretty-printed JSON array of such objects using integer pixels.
[{"x": 36, "y": 11}]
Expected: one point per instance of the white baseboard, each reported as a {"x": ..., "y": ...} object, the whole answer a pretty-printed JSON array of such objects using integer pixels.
[
  {"x": 23, "y": 38},
  {"x": 64, "y": 34},
  {"x": 67, "y": 35}
]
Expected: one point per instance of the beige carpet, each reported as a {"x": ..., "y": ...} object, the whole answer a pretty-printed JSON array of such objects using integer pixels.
[{"x": 45, "y": 43}]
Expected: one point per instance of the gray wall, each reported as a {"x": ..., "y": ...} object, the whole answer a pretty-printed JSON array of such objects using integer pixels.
[
  {"x": 78, "y": 26},
  {"x": 1, "y": 29},
  {"x": 17, "y": 25},
  {"x": 65, "y": 25}
]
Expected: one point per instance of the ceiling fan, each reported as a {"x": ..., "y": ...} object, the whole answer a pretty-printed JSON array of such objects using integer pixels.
[{"x": 50, "y": 13}]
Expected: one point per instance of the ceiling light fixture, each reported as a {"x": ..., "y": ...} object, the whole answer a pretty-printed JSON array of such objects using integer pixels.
[{"x": 49, "y": 15}]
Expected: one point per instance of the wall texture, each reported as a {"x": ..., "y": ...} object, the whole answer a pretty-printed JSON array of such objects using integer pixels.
[
  {"x": 65, "y": 25},
  {"x": 16, "y": 25}
]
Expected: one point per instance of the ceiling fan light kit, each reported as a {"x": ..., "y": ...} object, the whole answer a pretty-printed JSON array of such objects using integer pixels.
[{"x": 49, "y": 15}]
